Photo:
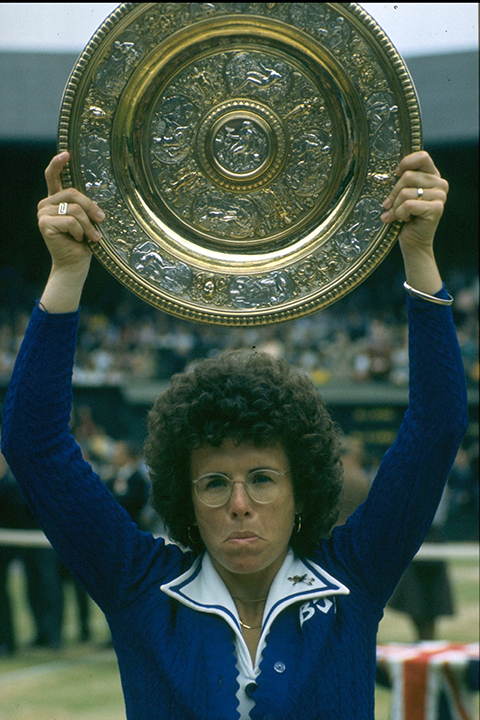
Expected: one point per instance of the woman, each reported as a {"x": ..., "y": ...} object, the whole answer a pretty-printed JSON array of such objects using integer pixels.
[{"x": 268, "y": 615}]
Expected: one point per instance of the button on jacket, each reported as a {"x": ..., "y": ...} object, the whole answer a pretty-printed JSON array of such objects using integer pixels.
[{"x": 179, "y": 655}]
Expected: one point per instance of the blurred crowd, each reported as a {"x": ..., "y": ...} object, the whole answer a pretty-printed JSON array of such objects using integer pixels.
[{"x": 362, "y": 338}]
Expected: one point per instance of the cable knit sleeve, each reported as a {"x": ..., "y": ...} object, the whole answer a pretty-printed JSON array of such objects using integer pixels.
[
  {"x": 93, "y": 535},
  {"x": 383, "y": 535}
]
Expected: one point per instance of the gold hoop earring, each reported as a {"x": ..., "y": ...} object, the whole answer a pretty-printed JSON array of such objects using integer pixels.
[
  {"x": 298, "y": 523},
  {"x": 192, "y": 541}
]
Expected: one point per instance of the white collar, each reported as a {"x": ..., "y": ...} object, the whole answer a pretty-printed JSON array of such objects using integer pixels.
[{"x": 202, "y": 589}]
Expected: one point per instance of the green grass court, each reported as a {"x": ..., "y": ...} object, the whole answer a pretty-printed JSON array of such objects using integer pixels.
[{"x": 81, "y": 682}]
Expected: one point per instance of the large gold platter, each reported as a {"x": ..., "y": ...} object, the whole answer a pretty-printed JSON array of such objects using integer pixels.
[{"x": 240, "y": 151}]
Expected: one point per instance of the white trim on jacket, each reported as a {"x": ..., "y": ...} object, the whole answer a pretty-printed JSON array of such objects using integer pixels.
[{"x": 201, "y": 588}]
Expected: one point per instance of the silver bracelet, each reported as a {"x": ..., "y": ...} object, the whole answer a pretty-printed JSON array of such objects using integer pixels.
[{"x": 431, "y": 298}]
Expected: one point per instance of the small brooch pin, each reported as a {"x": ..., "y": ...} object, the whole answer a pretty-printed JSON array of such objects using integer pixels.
[{"x": 301, "y": 579}]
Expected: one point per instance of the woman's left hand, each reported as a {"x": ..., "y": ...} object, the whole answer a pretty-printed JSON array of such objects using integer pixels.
[{"x": 420, "y": 213}]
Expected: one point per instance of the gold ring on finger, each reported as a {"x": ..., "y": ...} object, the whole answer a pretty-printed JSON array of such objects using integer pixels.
[{"x": 63, "y": 209}]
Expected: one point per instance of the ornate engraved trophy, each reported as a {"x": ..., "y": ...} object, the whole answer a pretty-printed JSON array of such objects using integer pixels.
[{"x": 240, "y": 151}]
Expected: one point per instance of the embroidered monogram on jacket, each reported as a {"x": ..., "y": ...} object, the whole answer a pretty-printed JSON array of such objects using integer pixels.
[{"x": 307, "y": 610}]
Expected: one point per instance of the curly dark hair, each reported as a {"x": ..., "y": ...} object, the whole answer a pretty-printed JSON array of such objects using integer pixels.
[{"x": 250, "y": 397}]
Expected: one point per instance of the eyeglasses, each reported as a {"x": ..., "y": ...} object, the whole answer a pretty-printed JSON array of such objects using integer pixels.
[{"x": 262, "y": 486}]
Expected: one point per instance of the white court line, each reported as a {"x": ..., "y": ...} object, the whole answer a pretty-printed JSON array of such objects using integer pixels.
[{"x": 55, "y": 666}]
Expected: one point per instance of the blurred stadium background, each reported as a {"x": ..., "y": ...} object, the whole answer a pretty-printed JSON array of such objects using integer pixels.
[{"x": 355, "y": 350}]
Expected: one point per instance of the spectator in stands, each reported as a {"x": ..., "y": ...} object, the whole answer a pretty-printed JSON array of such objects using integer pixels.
[
  {"x": 97, "y": 446},
  {"x": 42, "y": 570},
  {"x": 7, "y": 556},
  {"x": 129, "y": 484},
  {"x": 356, "y": 482},
  {"x": 373, "y": 361},
  {"x": 463, "y": 511},
  {"x": 425, "y": 592},
  {"x": 245, "y": 470}
]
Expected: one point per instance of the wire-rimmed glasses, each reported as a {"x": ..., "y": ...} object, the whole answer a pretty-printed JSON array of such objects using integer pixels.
[{"x": 262, "y": 486}]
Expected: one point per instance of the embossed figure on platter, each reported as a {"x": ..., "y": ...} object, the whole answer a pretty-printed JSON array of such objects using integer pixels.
[
  {"x": 173, "y": 129},
  {"x": 126, "y": 52},
  {"x": 251, "y": 292},
  {"x": 381, "y": 110},
  {"x": 240, "y": 146},
  {"x": 230, "y": 215},
  {"x": 94, "y": 154},
  {"x": 352, "y": 241},
  {"x": 146, "y": 259},
  {"x": 308, "y": 170},
  {"x": 257, "y": 75}
]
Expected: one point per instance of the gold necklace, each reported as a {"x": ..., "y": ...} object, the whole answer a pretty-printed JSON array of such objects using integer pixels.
[{"x": 249, "y": 627}]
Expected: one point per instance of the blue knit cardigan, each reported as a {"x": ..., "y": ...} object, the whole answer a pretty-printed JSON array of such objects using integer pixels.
[{"x": 177, "y": 663}]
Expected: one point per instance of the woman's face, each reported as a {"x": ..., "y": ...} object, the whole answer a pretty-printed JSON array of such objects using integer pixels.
[{"x": 243, "y": 536}]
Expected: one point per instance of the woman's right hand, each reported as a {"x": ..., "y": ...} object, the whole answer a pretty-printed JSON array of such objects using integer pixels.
[{"x": 65, "y": 235}]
